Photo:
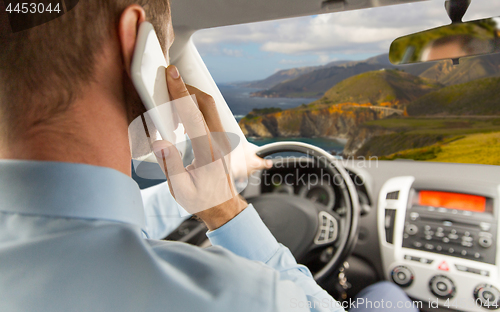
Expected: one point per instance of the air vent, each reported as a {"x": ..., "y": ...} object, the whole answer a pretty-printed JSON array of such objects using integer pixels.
[
  {"x": 390, "y": 218},
  {"x": 392, "y": 195}
]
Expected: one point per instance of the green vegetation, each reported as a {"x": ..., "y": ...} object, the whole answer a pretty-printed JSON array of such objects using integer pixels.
[
  {"x": 422, "y": 138},
  {"x": 478, "y": 97},
  {"x": 377, "y": 87},
  {"x": 481, "y": 148},
  {"x": 386, "y": 145},
  {"x": 257, "y": 112}
]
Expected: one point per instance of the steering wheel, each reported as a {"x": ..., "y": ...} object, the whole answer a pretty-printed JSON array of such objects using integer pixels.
[{"x": 303, "y": 225}]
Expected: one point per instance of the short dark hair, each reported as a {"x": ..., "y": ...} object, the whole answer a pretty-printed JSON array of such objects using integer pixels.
[{"x": 48, "y": 64}]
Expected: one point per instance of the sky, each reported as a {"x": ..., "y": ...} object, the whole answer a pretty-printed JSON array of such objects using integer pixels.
[{"x": 255, "y": 51}]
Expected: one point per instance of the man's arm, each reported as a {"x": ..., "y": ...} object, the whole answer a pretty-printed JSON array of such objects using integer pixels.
[
  {"x": 247, "y": 236},
  {"x": 205, "y": 188}
]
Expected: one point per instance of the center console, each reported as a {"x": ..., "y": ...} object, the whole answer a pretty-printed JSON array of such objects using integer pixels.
[{"x": 438, "y": 241}]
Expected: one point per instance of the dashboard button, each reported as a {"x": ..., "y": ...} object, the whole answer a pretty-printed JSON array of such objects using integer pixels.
[
  {"x": 461, "y": 268},
  {"x": 485, "y": 226},
  {"x": 485, "y": 241},
  {"x": 442, "y": 286},
  {"x": 417, "y": 244},
  {"x": 429, "y": 246},
  {"x": 411, "y": 229},
  {"x": 488, "y": 296},
  {"x": 402, "y": 276},
  {"x": 444, "y": 266}
]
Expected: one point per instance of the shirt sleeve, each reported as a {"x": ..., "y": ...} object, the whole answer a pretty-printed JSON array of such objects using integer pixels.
[
  {"x": 247, "y": 236},
  {"x": 163, "y": 213}
]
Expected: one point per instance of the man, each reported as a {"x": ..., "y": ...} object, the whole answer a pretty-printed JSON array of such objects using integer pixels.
[{"x": 71, "y": 218}]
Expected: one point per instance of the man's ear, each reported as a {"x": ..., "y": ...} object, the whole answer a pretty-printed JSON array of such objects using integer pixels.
[{"x": 128, "y": 27}]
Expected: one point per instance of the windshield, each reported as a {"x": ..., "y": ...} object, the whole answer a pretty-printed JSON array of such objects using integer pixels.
[{"x": 326, "y": 80}]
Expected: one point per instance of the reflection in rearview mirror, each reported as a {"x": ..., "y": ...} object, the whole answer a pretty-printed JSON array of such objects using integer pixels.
[{"x": 448, "y": 42}]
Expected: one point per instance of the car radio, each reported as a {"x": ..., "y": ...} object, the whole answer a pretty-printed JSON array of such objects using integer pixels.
[
  {"x": 439, "y": 240},
  {"x": 455, "y": 224}
]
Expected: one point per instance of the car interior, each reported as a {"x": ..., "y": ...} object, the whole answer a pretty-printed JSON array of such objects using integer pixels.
[{"x": 378, "y": 212}]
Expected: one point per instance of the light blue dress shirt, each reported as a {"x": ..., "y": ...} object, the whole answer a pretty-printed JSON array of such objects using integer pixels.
[{"x": 71, "y": 239}]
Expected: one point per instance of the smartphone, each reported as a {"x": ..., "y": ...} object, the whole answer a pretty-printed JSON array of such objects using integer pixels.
[{"x": 148, "y": 76}]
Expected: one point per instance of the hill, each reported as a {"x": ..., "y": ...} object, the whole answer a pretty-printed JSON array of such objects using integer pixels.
[
  {"x": 285, "y": 75},
  {"x": 469, "y": 69},
  {"x": 314, "y": 81},
  {"x": 478, "y": 97},
  {"x": 278, "y": 77},
  {"x": 379, "y": 87}
]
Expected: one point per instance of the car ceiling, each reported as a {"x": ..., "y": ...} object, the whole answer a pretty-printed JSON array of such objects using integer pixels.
[{"x": 192, "y": 15}]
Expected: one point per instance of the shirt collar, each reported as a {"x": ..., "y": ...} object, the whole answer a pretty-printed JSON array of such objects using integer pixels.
[{"x": 56, "y": 189}]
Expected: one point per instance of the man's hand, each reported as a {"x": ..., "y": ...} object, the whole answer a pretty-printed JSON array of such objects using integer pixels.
[{"x": 205, "y": 187}]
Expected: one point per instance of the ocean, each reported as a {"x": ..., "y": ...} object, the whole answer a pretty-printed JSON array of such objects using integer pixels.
[{"x": 239, "y": 101}]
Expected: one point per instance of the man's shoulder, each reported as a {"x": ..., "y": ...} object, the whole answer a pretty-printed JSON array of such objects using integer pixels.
[{"x": 111, "y": 265}]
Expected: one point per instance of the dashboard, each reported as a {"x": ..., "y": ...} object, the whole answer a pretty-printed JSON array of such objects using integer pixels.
[{"x": 431, "y": 228}]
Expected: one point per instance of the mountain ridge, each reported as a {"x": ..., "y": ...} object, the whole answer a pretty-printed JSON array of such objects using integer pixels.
[{"x": 317, "y": 80}]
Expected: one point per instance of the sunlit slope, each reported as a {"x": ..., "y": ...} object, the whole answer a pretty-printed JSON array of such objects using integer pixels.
[
  {"x": 377, "y": 87},
  {"x": 419, "y": 138},
  {"x": 481, "y": 148},
  {"x": 478, "y": 97}
]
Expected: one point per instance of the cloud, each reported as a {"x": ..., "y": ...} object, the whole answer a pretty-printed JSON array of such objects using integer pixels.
[
  {"x": 292, "y": 62},
  {"x": 232, "y": 52},
  {"x": 360, "y": 31}
]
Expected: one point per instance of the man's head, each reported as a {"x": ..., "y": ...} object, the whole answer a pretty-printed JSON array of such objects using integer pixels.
[
  {"x": 44, "y": 70},
  {"x": 456, "y": 46}
]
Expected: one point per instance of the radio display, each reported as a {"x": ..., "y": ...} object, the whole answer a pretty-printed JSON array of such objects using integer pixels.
[{"x": 450, "y": 200}]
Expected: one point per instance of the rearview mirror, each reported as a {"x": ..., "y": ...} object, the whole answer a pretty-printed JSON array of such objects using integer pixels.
[{"x": 448, "y": 42}]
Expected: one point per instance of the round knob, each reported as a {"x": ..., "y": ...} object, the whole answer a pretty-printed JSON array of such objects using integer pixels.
[
  {"x": 485, "y": 241},
  {"x": 402, "y": 276},
  {"x": 442, "y": 287},
  {"x": 488, "y": 296},
  {"x": 411, "y": 229}
]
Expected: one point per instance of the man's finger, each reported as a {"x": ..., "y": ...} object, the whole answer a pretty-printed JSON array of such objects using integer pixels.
[
  {"x": 168, "y": 158},
  {"x": 207, "y": 106},
  {"x": 190, "y": 115}
]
